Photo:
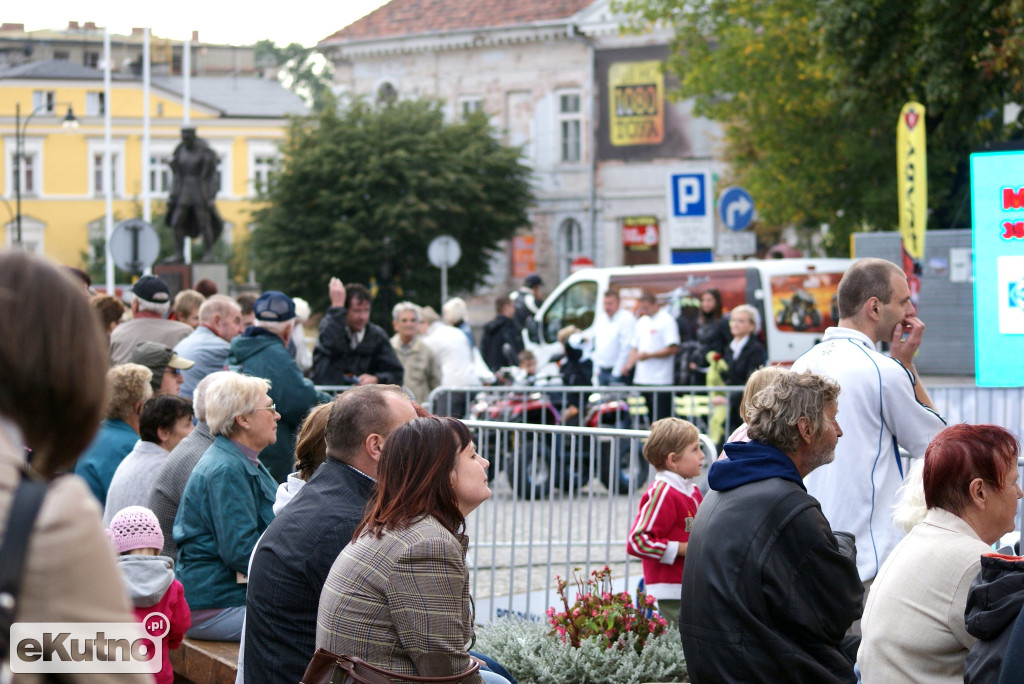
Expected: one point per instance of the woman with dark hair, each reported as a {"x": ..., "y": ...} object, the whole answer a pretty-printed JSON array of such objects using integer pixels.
[
  {"x": 398, "y": 595},
  {"x": 712, "y": 333},
  {"x": 913, "y": 625},
  {"x": 53, "y": 364}
]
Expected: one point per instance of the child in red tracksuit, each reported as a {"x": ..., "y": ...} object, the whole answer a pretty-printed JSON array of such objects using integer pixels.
[
  {"x": 135, "y": 532},
  {"x": 662, "y": 527}
]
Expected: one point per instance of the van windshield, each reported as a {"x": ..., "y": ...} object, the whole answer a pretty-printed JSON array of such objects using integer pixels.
[{"x": 574, "y": 306}]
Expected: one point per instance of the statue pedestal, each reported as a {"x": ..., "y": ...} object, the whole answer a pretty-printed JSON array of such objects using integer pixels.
[
  {"x": 177, "y": 276},
  {"x": 218, "y": 273}
]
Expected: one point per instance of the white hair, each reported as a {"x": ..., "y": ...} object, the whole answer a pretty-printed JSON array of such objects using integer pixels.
[
  {"x": 302, "y": 310},
  {"x": 402, "y": 307},
  {"x": 755, "y": 316},
  {"x": 199, "y": 393},
  {"x": 156, "y": 307},
  {"x": 277, "y": 327},
  {"x": 231, "y": 396},
  {"x": 217, "y": 304},
  {"x": 454, "y": 310}
]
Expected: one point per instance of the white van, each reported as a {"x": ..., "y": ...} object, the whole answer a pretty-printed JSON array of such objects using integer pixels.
[{"x": 796, "y": 298}]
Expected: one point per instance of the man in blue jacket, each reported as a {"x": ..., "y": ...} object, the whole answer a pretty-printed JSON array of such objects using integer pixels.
[
  {"x": 769, "y": 590},
  {"x": 262, "y": 351}
]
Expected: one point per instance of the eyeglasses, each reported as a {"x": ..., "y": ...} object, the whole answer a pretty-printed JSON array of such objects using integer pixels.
[
  {"x": 174, "y": 371},
  {"x": 272, "y": 407}
]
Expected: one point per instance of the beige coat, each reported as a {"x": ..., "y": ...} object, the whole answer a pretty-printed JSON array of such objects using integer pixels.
[
  {"x": 422, "y": 371},
  {"x": 71, "y": 573}
]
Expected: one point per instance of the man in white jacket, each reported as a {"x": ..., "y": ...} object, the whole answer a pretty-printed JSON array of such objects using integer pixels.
[{"x": 882, "y": 405}]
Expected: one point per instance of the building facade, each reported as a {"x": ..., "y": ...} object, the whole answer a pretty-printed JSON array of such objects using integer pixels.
[
  {"x": 61, "y": 171},
  {"x": 586, "y": 102}
]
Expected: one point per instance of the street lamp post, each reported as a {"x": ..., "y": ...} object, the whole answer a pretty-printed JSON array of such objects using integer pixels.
[{"x": 19, "y": 143}]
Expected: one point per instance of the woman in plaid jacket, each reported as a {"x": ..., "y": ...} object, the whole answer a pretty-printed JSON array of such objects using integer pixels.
[{"x": 398, "y": 595}]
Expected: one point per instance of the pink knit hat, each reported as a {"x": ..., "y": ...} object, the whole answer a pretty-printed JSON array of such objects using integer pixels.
[{"x": 135, "y": 527}]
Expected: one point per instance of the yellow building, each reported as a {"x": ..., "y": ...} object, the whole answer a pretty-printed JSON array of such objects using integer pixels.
[{"x": 62, "y": 194}]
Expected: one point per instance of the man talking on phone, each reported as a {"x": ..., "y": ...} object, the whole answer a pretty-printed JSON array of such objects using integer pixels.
[{"x": 882, "y": 405}]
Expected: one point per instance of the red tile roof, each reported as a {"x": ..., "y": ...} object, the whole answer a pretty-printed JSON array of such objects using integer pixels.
[{"x": 411, "y": 17}]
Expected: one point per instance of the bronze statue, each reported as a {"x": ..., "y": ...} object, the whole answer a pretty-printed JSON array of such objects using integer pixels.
[{"x": 191, "y": 209}]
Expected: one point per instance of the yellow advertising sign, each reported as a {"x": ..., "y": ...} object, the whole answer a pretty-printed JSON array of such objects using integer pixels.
[
  {"x": 912, "y": 178},
  {"x": 637, "y": 103}
]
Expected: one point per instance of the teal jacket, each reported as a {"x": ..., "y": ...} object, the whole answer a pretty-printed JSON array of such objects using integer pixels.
[
  {"x": 225, "y": 507},
  {"x": 261, "y": 353},
  {"x": 113, "y": 442}
]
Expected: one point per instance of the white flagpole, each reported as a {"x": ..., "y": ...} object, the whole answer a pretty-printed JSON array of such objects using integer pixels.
[
  {"x": 108, "y": 190},
  {"x": 147, "y": 209},
  {"x": 186, "y": 73}
]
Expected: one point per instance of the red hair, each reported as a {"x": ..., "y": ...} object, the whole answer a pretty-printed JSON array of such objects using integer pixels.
[
  {"x": 414, "y": 476},
  {"x": 962, "y": 453}
]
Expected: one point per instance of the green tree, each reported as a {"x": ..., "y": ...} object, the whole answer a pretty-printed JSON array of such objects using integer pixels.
[
  {"x": 361, "y": 193},
  {"x": 809, "y": 91},
  {"x": 304, "y": 70}
]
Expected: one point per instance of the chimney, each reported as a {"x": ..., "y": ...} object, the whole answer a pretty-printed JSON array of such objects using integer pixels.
[
  {"x": 137, "y": 32},
  {"x": 6, "y": 27},
  {"x": 72, "y": 26},
  {"x": 90, "y": 26},
  {"x": 195, "y": 36}
]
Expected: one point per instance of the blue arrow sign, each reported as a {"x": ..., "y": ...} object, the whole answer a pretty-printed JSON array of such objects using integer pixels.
[{"x": 736, "y": 208}]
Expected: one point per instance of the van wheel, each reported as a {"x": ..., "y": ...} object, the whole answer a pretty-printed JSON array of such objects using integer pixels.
[{"x": 621, "y": 468}]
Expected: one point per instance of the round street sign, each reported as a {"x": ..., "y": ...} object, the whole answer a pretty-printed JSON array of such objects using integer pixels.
[
  {"x": 736, "y": 208},
  {"x": 444, "y": 251},
  {"x": 134, "y": 245}
]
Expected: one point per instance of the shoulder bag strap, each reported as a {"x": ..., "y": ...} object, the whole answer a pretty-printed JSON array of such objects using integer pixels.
[{"x": 28, "y": 499}]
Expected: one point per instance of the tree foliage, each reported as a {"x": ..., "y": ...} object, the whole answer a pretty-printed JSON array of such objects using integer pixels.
[
  {"x": 809, "y": 91},
  {"x": 362, "y": 192},
  {"x": 304, "y": 70}
]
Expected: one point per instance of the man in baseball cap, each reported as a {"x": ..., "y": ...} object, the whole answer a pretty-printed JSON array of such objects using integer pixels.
[
  {"x": 262, "y": 351},
  {"x": 150, "y": 301},
  {"x": 165, "y": 364}
]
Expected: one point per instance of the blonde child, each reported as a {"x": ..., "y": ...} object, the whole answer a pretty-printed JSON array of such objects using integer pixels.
[
  {"x": 662, "y": 528},
  {"x": 136, "y": 535}
]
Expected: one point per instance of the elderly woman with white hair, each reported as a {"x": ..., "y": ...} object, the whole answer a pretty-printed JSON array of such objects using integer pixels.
[
  {"x": 744, "y": 355},
  {"x": 227, "y": 504}
]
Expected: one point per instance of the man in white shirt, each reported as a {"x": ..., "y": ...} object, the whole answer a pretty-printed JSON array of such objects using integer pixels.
[
  {"x": 654, "y": 347},
  {"x": 883, "y": 404},
  {"x": 612, "y": 336}
]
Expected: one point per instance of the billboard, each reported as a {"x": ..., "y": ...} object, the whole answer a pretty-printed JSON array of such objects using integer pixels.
[{"x": 997, "y": 218}]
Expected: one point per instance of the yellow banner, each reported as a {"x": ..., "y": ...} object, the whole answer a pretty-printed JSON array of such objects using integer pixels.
[
  {"x": 637, "y": 101},
  {"x": 912, "y": 178}
]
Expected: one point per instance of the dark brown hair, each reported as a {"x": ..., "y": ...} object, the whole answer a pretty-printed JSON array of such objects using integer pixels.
[
  {"x": 961, "y": 453},
  {"x": 310, "y": 445},
  {"x": 356, "y": 292},
  {"x": 865, "y": 279},
  {"x": 53, "y": 360},
  {"x": 162, "y": 411},
  {"x": 356, "y": 414},
  {"x": 716, "y": 313},
  {"x": 108, "y": 308},
  {"x": 414, "y": 477}
]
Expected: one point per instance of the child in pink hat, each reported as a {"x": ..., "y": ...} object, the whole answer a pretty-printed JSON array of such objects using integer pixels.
[{"x": 135, "y": 532}]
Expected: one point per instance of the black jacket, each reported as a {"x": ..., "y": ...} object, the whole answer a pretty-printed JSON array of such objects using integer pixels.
[
  {"x": 994, "y": 604},
  {"x": 751, "y": 357},
  {"x": 289, "y": 567},
  {"x": 768, "y": 589},
  {"x": 498, "y": 332},
  {"x": 336, "y": 363}
]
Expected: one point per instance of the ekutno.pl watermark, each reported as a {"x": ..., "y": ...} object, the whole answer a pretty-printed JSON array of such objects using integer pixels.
[{"x": 89, "y": 647}]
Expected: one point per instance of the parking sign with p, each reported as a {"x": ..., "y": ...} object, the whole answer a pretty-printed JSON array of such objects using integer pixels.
[{"x": 690, "y": 214}]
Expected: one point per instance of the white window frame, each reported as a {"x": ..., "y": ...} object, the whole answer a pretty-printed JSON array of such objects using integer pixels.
[
  {"x": 468, "y": 104},
  {"x": 570, "y": 244},
  {"x": 44, "y": 97},
  {"x": 30, "y": 147},
  {"x": 160, "y": 149},
  {"x": 262, "y": 149},
  {"x": 95, "y": 103},
  {"x": 377, "y": 102},
  {"x": 33, "y": 234},
  {"x": 568, "y": 118},
  {"x": 95, "y": 147}
]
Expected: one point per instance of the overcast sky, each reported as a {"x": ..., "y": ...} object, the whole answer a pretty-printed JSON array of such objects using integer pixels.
[{"x": 299, "y": 21}]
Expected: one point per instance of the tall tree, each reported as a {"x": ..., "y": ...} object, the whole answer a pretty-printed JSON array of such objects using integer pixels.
[
  {"x": 809, "y": 91},
  {"x": 362, "y": 192},
  {"x": 303, "y": 70}
]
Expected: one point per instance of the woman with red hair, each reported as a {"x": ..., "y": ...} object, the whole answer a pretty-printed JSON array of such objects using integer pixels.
[
  {"x": 398, "y": 595},
  {"x": 913, "y": 625}
]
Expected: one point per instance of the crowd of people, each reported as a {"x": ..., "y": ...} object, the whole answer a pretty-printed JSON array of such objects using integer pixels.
[{"x": 247, "y": 505}]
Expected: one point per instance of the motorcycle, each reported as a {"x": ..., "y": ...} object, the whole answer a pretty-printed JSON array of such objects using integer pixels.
[{"x": 800, "y": 312}]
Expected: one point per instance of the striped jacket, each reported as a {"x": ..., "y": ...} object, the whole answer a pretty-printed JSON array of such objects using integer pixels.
[
  {"x": 401, "y": 602},
  {"x": 663, "y": 523}
]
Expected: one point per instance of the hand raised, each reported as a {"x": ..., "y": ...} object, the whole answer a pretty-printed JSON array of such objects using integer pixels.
[{"x": 336, "y": 291}]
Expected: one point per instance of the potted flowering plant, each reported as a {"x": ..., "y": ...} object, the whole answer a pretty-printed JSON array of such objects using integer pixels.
[
  {"x": 602, "y": 638},
  {"x": 600, "y": 613}
]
